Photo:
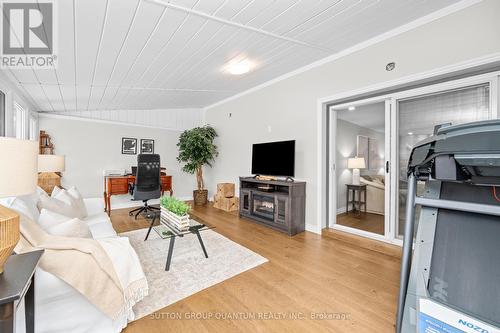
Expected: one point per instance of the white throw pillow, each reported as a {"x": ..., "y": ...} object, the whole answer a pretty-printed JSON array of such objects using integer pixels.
[
  {"x": 31, "y": 201},
  {"x": 60, "y": 225},
  {"x": 55, "y": 190},
  {"x": 72, "y": 228},
  {"x": 62, "y": 203},
  {"x": 75, "y": 194},
  {"x": 71, "y": 197},
  {"x": 59, "y": 206},
  {"x": 49, "y": 219},
  {"x": 22, "y": 205},
  {"x": 41, "y": 192}
]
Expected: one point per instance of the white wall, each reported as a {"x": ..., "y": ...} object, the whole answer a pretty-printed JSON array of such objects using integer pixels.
[
  {"x": 288, "y": 109},
  {"x": 90, "y": 147},
  {"x": 346, "y": 147}
]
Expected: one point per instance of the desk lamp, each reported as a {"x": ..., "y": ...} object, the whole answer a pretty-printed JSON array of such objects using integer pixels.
[{"x": 50, "y": 167}]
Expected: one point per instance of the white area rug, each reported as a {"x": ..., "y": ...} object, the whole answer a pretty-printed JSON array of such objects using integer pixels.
[{"x": 189, "y": 271}]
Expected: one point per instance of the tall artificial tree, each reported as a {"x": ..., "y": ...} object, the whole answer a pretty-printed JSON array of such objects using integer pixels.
[{"x": 196, "y": 149}]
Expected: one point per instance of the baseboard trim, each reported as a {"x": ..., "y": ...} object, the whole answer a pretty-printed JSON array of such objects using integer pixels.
[
  {"x": 312, "y": 228},
  {"x": 363, "y": 242}
]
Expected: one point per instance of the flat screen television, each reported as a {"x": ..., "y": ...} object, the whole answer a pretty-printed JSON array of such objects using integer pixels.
[{"x": 274, "y": 158}]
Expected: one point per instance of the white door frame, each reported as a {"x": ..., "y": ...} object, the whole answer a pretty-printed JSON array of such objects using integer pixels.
[
  {"x": 332, "y": 167},
  {"x": 493, "y": 78}
]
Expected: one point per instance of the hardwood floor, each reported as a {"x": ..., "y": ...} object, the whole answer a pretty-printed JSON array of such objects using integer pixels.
[
  {"x": 307, "y": 275},
  {"x": 367, "y": 222}
]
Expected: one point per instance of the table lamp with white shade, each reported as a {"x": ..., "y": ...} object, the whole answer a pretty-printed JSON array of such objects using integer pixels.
[
  {"x": 18, "y": 176},
  {"x": 356, "y": 163},
  {"x": 50, "y": 167}
]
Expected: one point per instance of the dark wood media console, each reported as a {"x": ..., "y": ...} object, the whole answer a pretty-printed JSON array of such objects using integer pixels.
[{"x": 277, "y": 204}]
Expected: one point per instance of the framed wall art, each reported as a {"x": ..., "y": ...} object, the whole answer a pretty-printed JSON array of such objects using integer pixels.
[
  {"x": 129, "y": 146},
  {"x": 147, "y": 146}
]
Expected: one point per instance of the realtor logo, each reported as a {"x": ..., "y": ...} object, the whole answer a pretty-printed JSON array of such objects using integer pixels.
[{"x": 28, "y": 34}]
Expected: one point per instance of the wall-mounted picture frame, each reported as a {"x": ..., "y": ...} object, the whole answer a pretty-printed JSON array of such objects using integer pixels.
[
  {"x": 367, "y": 148},
  {"x": 147, "y": 146},
  {"x": 362, "y": 149},
  {"x": 129, "y": 146}
]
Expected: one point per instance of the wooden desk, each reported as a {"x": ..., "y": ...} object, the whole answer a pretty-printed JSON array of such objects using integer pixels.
[{"x": 114, "y": 185}]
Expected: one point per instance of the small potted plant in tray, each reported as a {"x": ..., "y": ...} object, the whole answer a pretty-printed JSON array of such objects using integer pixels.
[{"x": 175, "y": 212}]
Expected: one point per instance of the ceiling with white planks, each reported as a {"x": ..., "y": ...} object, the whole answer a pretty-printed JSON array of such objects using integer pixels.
[{"x": 159, "y": 54}]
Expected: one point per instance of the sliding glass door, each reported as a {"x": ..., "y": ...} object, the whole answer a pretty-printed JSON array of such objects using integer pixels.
[{"x": 417, "y": 118}]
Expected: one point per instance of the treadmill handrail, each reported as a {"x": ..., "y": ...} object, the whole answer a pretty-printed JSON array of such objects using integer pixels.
[
  {"x": 406, "y": 254},
  {"x": 459, "y": 206}
]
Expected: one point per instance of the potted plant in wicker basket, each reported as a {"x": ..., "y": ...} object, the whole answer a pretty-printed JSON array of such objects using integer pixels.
[
  {"x": 196, "y": 149},
  {"x": 175, "y": 212}
]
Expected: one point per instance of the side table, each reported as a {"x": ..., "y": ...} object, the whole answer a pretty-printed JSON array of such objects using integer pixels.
[
  {"x": 360, "y": 189},
  {"x": 17, "y": 283}
]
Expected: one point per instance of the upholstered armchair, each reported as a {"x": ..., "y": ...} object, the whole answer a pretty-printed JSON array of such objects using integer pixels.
[{"x": 375, "y": 194}]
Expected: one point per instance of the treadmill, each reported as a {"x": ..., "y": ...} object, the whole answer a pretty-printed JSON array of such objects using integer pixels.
[{"x": 450, "y": 282}]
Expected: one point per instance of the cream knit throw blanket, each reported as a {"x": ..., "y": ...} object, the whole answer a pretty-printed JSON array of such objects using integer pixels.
[{"x": 85, "y": 265}]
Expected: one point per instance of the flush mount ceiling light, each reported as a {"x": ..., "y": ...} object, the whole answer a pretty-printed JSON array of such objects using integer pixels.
[
  {"x": 351, "y": 108},
  {"x": 410, "y": 133},
  {"x": 239, "y": 67}
]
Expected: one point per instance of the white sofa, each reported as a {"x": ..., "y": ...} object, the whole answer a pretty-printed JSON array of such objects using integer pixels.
[
  {"x": 59, "y": 308},
  {"x": 375, "y": 194}
]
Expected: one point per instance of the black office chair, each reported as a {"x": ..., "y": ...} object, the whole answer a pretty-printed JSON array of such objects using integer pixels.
[{"x": 147, "y": 182}]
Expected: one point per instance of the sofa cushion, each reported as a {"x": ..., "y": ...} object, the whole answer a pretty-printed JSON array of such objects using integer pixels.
[
  {"x": 97, "y": 218},
  {"x": 102, "y": 230},
  {"x": 94, "y": 205},
  {"x": 71, "y": 228}
]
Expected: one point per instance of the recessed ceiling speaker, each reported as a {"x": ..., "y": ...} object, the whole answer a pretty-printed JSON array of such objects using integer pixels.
[{"x": 390, "y": 66}]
